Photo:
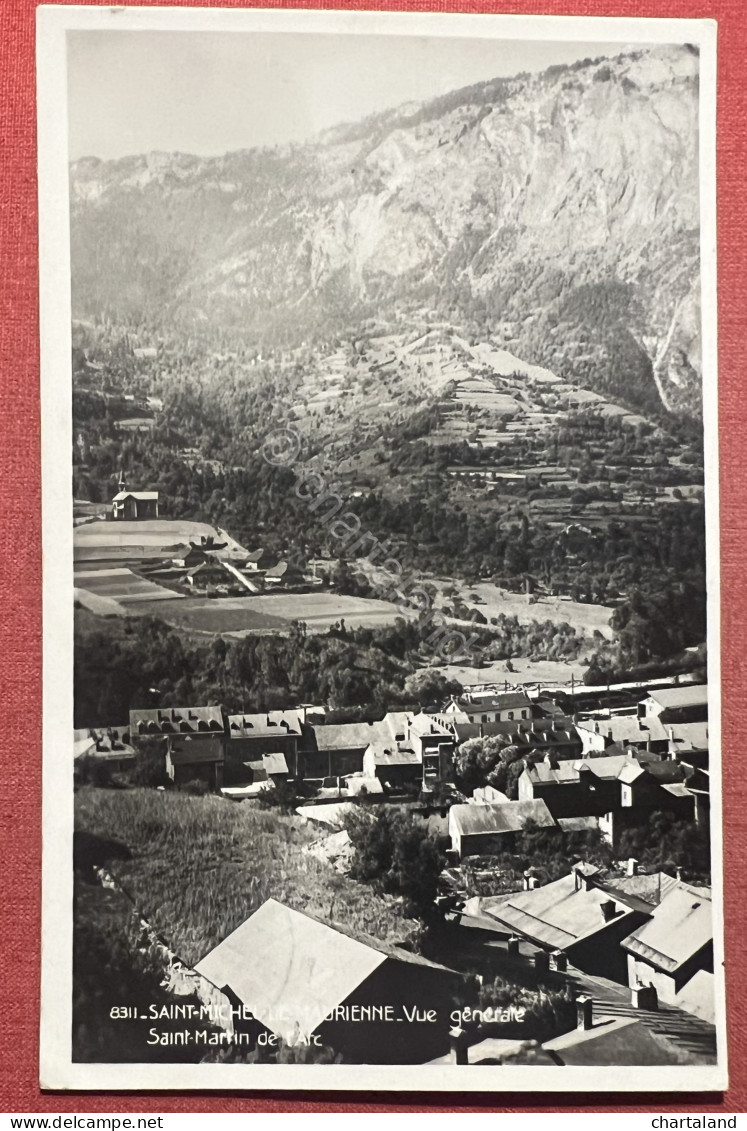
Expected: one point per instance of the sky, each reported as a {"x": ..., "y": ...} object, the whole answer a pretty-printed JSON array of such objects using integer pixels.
[{"x": 209, "y": 93}]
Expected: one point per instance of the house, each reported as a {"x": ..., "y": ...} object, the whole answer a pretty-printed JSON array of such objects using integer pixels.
[
  {"x": 334, "y": 749},
  {"x": 302, "y": 981},
  {"x": 194, "y": 721},
  {"x": 407, "y": 748},
  {"x": 276, "y": 574},
  {"x": 674, "y": 946},
  {"x": 578, "y": 915},
  {"x": 609, "y": 1040},
  {"x": 644, "y": 734},
  {"x": 189, "y": 556},
  {"x": 487, "y": 793},
  {"x": 195, "y": 758},
  {"x": 104, "y": 745},
  {"x": 132, "y": 506},
  {"x": 618, "y": 789},
  {"x": 688, "y": 743},
  {"x": 256, "y": 561},
  {"x": 479, "y": 830},
  {"x": 570, "y": 789},
  {"x": 399, "y": 750},
  {"x": 271, "y": 768},
  {"x": 543, "y": 734},
  {"x": 685, "y": 704},
  {"x": 491, "y": 707},
  {"x": 251, "y": 737}
]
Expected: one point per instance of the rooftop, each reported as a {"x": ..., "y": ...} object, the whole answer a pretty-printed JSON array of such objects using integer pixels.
[
  {"x": 679, "y": 928},
  {"x": 291, "y": 970},
  {"x": 143, "y": 495},
  {"x": 269, "y": 724},
  {"x": 469, "y": 820},
  {"x": 176, "y": 720},
  {"x": 561, "y": 913},
  {"x": 611, "y": 1040},
  {"x": 689, "y": 695}
]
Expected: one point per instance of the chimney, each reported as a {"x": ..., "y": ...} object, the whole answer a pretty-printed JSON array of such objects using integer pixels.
[
  {"x": 560, "y": 960},
  {"x": 527, "y": 880},
  {"x": 609, "y": 910},
  {"x": 513, "y": 946},
  {"x": 459, "y": 1046},
  {"x": 631, "y": 868},
  {"x": 584, "y": 1012}
]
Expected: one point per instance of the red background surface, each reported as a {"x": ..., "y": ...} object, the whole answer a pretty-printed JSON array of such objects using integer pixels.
[{"x": 20, "y": 589}]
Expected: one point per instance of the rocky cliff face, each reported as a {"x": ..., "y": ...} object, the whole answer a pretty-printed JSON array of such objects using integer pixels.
[{"x": 557, "y": 211}]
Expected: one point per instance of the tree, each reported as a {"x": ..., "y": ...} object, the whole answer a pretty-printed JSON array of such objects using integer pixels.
[{"x": 396, "y": 854}]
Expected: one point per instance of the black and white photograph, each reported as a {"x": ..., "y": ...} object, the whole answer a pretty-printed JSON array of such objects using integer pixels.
[{"x": 380, "y": 552}]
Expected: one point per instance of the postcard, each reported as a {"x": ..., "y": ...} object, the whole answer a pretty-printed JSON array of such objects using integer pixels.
[{"x": 381, "y": 552}]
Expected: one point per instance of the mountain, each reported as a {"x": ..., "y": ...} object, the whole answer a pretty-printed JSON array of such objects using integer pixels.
[{"x": 557, "y": 213}]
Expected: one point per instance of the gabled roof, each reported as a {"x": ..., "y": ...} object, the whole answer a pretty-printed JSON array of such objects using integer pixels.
[
  {"x": 561, "y": 913},
  {"x": 142, "y": 496},
  {"x": 274, "y": 763},
  {"x": 503, "y": 701},
  {"x": 341, "y": 736},
  {"x": 626, "y": 729},
  {"x": 688, "y": 736},
  {"x": 175, "y": 720},
  {"x": 611, "y": 1040},
  {"x": 469, "y": 820},
  {"x": 292, "y": 970},
  {"x": 689, "y": 695},
  {"x": 392, "y": 755},
  {"x": 680, "y": 927}
]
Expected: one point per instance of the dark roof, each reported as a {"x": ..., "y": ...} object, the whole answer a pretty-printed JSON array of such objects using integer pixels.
[{"x": 611, "y": 1040}]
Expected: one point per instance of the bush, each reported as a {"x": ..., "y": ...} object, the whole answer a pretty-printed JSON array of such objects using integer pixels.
[{"x": 396, "y": 855}]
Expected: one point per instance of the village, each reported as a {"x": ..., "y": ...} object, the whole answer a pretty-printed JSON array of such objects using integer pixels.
[{"x": 630, "y": 944}]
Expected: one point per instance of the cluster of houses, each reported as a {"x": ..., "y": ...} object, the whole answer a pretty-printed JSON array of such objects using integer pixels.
[
  {"x": 635, "y": 949},
  {"x": 576, "y": 774},
  {"x": 636, "y": 952}
]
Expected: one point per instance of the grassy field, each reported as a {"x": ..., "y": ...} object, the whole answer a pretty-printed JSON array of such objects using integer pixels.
[
  {"x": 122, "y": 585},
  {"x": 525, "y": 672},
  {"x": 215, "y": 615},
  {"x": 198, "y": 866}
]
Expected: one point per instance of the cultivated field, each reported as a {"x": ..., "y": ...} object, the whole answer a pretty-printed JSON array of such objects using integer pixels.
[
  {"x": 150, "y": 538},
  {"x": 271, "y": 614},
  {"x": 122, "y": 585},
  {"x": 493, "y": 602},
  {"x": 525, "y": 672}
]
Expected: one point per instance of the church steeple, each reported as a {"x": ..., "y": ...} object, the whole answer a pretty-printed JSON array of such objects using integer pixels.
[{"x": 122, "y": 484}]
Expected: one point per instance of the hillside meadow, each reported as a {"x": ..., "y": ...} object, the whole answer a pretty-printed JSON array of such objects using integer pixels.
[{"x": 197, "y": 867}]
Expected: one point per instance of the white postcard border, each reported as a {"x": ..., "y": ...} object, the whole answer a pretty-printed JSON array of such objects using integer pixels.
[{"x": 57, "y": 1071}]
